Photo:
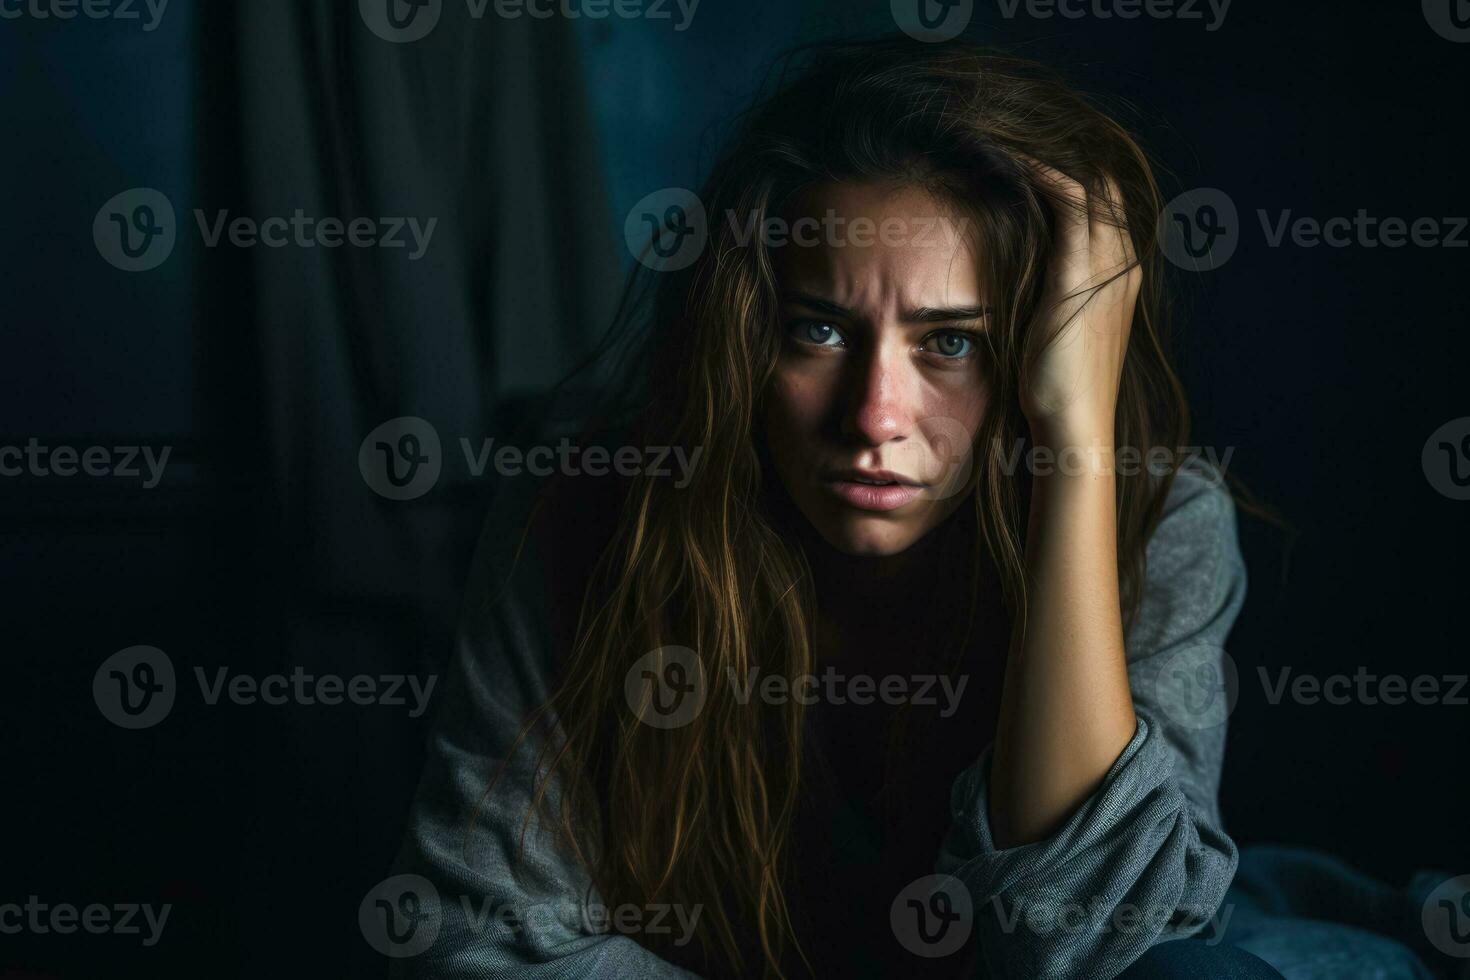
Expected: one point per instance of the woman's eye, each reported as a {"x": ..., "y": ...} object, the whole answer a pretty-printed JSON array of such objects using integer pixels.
[
  {"x": 950, "y": 343},
  {"x": 816, "y": 332}
]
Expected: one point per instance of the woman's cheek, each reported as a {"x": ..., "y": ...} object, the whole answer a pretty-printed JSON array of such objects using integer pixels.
[
  {"x": 964, "y": 402},
  {"x": 799, "y": 400},
  {"x": 785, "y": 428},
  {"x": 949, "y": 426}
]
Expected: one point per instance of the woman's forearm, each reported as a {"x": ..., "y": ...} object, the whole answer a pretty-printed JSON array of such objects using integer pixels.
[{"x": 1066, "y": 711}]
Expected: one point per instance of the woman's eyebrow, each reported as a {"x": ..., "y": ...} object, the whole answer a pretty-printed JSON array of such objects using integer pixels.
[
  {"x": 930, "y": 314},
  {"x": 816, "y": 303},
  {"x": 923, "y": 314}
]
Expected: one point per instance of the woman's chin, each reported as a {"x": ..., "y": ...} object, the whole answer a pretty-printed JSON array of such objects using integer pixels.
[{"x": 868, "y": 537}]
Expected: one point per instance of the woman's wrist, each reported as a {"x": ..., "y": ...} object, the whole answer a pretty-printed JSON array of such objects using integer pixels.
[{"x": 1076, "y": 444}]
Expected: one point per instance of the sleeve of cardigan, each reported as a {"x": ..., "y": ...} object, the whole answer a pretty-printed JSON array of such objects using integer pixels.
[
  {"x": 485, "y": 913},
  {"x": 1145, "y": 859}
]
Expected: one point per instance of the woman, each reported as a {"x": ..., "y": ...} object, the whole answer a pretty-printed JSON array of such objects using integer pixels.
[{"x": 912, "y": 674}]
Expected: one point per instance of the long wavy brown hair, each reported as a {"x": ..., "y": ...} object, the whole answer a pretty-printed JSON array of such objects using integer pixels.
[{"x": 701, "y": 814}]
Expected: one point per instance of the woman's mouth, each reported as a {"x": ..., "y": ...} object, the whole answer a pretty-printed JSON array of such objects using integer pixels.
[{"x": 878, "y": 491}]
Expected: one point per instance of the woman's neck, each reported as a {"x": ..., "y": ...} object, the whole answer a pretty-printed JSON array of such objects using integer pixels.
[
  {"x": 858, "y": 593},
  {"x": 870, "y": 576},
  {"x": 855, "y": 593}
]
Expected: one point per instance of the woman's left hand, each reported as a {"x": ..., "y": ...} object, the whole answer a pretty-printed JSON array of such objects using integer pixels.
[
  {"x": 1092, "y": 287},
  {"x": 1066, "y": 708}
]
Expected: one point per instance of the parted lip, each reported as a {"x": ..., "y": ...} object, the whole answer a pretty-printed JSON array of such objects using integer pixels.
[{"x": 855, "y": 475}]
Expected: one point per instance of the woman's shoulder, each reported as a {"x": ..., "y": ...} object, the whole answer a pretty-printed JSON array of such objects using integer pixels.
[{"x": 1198, "y": 514}]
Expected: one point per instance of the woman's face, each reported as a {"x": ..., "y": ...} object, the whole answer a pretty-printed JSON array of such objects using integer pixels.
[{"x": 878, "y": 392}]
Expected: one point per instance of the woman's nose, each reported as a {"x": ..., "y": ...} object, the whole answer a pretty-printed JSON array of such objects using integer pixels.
[{"x": 880, "y": 398}]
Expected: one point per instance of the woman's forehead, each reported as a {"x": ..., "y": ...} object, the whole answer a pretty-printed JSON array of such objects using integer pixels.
[{"x": 878, "y": 249}]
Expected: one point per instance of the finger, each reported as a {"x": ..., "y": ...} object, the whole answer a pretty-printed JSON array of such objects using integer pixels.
[
  {"x": 1093, "y": 227},
  {"x": 1068, "y": 200},
  {"x": 1101, "y": 217}
]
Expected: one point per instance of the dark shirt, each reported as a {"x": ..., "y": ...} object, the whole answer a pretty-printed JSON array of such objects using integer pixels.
[{"x": 877, "y": 780}]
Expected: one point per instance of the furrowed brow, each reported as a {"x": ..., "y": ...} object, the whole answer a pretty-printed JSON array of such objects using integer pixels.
[
  {"x": 930, "y": 314},
  {"x": 923, "y": 314},
  {"x": 817, "y": 303}
]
